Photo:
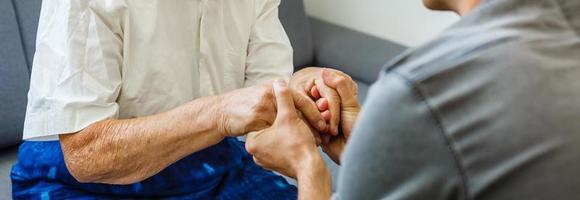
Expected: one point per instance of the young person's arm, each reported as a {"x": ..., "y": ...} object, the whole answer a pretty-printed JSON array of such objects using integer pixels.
[
  {"x": 398, "y": 150},
  {"x": 314, "y": 179},
  {"x": 289, "y": 148}
]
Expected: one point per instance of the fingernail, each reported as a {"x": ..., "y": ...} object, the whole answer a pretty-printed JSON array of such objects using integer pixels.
[{"x": 278, "y": 83}]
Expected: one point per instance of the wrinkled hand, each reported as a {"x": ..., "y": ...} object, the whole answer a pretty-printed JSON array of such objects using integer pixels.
[
  {"x": 288, "y": 142},
  {"x": 254, "y": 108},
  {"x": 349, "y": 109}
]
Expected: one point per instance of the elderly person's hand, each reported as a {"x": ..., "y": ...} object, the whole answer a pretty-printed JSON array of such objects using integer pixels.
[
  {"x": 254, "y": 108},
  {"x": 288, "y": 143}
]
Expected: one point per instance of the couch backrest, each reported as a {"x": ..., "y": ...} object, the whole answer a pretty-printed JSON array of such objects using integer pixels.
[
  {"x": 28, "y": 13},
  {"x": 297, "y": 25},
  {"x": 18, "y": 22}
]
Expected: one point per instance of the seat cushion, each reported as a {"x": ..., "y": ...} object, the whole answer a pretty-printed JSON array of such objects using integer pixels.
[
  {"x": 7, "y": 159},
  {"x": 297, "y": 26},
  {"x": 14, "y": 77}
]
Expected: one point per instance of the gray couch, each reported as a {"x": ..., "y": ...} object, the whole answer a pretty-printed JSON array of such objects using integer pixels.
[{"x": 316, "y": 43}]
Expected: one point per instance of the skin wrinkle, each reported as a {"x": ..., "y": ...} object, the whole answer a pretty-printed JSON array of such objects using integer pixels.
[
  {"x": 97, "y": 160},
  {"x": 117, "y": 151}
]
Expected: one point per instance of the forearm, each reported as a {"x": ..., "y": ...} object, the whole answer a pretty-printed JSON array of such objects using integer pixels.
[
  {"x": 314, "y": 180},
  {"x": 122, "y": 151}
]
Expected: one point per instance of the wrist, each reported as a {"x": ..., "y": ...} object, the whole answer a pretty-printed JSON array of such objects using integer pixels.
[
  {"x": 314, "y": 179},
  {"x": 311, "y": 164},
  {"x": 194, "y": 120},
  {"x": 220, "y": 119}
]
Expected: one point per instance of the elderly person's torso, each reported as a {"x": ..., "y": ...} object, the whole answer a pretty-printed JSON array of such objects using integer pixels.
[
  {"x": 115, "y": 107},
  {"x": 132, "y": 58}
]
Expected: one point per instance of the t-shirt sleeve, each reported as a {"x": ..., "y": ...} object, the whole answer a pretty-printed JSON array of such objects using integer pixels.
[
  {"x": 398, "y": 149},
  {"x": 76, "y": 76},
  {"x": 269, "y": 50}
]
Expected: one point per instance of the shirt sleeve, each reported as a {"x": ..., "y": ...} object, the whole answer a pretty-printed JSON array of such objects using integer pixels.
[
  {"x": 269, "y": 49},
  {"x": 76, "y": 76},
  {"x": 398, "y": 149}
]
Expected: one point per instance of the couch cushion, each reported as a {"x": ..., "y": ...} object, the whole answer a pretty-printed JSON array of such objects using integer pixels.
[
  {"x": 7, "y": 159},
  {"x": 295, "y": 21},
  {"x": 28, "y": 13},
  {"x": 14, "y": 77}
]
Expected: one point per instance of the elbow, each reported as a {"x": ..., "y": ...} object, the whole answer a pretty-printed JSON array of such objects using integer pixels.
[
  {"x": 80, "y": 164},
  {"x": 84, "y": 171},
  {"x": 87, "y": 164},
  {"x": 80, "y": 171},
  {"x": 92, "y": 159}
]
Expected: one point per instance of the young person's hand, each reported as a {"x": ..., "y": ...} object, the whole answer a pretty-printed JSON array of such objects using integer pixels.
[
  {"x": 288, "y": 145},
  {"x": 349, "y": 110},
  {"x": 326, "y": 99}
]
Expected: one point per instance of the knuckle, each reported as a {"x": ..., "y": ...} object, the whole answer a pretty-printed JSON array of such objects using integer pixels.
[
  {"x": 342, "y": 80},
  {"x": 355, "y": 89},
  {"x": 251, "y": 148},
  {"x": 285, "y": 91},
  {"x": 264, "y": 92},
  {"x": 344, "y": 75},
  {"x": 301, "y": 101},
  {"x": 257, "y": 161}
]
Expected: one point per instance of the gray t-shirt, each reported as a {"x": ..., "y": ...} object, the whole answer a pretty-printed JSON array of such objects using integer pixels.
[{"x": 489, "y": 110}]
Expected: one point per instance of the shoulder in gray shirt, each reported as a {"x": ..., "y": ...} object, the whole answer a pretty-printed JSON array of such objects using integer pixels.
[{"x": 489, "y": 110}]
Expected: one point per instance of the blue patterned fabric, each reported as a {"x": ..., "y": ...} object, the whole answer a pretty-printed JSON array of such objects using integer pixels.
[{"x": 224, "y": 171}]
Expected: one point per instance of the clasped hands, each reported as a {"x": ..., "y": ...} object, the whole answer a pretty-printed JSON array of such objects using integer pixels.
[{"x": 317, "y": 108}]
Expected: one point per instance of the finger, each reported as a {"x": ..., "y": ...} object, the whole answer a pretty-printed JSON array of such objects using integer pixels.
[
  {"x": 326, "y": 139},
  {"x": 284, "y": 100},
  {"x": 251, "y": 142},
  {"x": 314, "y": 93},
  {"x": 322, "y": 104},
  {"x": 258, "y": 162},
  {"x": 326, "y": 115},
  {"x": 317, "y": 138},
  {"x": 309, "y": 110},
  {"x": 316, "y": 135},
  {"x": 333, "y": 105},
  {"x": 343, "y": 84}
]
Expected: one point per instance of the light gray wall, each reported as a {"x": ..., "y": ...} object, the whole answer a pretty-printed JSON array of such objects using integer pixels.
[{"x": 404, "y": 21}]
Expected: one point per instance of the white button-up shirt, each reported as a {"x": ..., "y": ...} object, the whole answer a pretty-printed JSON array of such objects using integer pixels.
[{"x": 103, "y": 59}]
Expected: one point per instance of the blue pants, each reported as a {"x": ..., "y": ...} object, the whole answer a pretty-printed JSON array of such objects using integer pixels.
[{"x": 224, "y": 171}]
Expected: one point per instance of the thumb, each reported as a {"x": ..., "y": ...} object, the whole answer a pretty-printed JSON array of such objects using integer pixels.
[
  {"x": 344, "y": 86},
  {"x": 284, "y": 101}
]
